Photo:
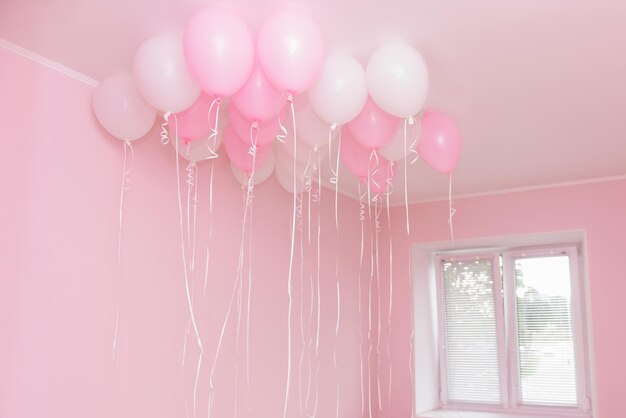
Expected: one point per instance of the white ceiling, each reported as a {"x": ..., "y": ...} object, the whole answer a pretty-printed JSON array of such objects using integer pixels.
[{"x": 538, "y": 87}]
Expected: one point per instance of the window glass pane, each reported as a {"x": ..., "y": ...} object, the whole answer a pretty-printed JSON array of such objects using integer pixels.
[
  {"x": 544, "y": 331},
  {"x": 473, "y": 373}
]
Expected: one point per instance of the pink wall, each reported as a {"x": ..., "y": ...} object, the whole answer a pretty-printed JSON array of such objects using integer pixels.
[
  {"x": 60, "y": 178},
  {"x": 598, "y": 209}
]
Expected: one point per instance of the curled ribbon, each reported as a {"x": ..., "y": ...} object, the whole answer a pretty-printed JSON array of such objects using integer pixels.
[{"x": 165, "y": 139}]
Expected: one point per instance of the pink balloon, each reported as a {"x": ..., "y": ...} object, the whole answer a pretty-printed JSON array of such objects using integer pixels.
[
  {"x": 238, "y": 153},
  {"x": 266, "y": 132},
  {"x": 219, "y": 51},
  {"x": 354, "y": 156},
  {"x": 121, "y": 110},
  {"x": 194, "y": 122},
  {"x": 290, "y": 48},
  {"x": 257, "y": 100},
  {"x": 374, "y": 128},
  {"x": 440, "y": 141}
]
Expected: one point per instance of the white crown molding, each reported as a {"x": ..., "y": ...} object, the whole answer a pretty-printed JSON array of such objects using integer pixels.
[
  {"x": 53, "y": 65},
  {"x": 524, "y": 189}
]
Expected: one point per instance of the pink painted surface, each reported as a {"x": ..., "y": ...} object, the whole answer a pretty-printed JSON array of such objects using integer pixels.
[
  {"x": 60, "y": 178},
  {"x": 598, "y": 209}
]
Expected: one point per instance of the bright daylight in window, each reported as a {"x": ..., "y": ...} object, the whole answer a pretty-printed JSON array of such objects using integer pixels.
[{"x": 512, "y": 331}]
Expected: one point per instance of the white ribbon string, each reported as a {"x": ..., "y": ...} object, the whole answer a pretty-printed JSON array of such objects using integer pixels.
[
  {"x": 335, "y": 347},
  {"x": 182, "y": 243},
  {"x": 254, "y": 132},
  {"x": 208, "y": 251},
  {"x": 214, "y": 133},
  {"x": 335, "y": 170},
  {"x": 377, "y": 210},
  {"x": 406, "y": 183},
  {"x": 282, "y": 136},
  {"x": 126, "y": 170},
  {"x": 359, "y": 279},
  {"x": 388, "y": 193},
  {"x": 310, "y": 196},
  {"x": 413, "y": 147},
  {"x": 372, "y": 172},
  {"x": 452, "y": 210},
  {"x": 165, "y": 138},
  {"x": 318, "y": 296},
  {"x": 299, "y": 212},
  {"x": 195, "y": 384},
  {"x": 293, "y": 236},
  {"x": 369, "y": 299}
]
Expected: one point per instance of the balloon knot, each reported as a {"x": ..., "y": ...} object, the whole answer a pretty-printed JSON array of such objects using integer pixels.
[
  {"x": 411, "y": 120},
  {"x": 334, "y": 126},
  {"x": 167, "y": 115}
]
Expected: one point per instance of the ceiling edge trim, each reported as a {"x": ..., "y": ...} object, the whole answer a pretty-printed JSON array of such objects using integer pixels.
[
  {"x": 583, "y": 182},
  {"x": 53, "y": 65}
]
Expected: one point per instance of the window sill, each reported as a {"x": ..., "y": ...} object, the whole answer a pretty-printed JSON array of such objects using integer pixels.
[{"x": 449, "y": 413}]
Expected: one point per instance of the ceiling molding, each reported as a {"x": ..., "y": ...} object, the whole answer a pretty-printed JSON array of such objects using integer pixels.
[
  {"x": 573, "y": 183},
  {"x": 53, "y": 65}
]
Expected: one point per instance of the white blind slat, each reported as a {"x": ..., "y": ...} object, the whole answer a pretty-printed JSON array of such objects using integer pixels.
[{"x": 471, "y": 340}]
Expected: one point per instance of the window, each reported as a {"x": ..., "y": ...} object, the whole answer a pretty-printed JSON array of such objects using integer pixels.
[{"x": 511, "y": 331}]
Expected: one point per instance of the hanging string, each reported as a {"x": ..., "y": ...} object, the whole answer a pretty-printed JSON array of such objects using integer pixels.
[
  {"x": 282, "y": 135},
  {"x": 126, "y": 170},
  {"x": 406, "y": 183},
  {"x": 317, "y": 328},
  {"x": 310, "y": 196},
  {"x": 359, "y": 279},
  {"x": 195, "y": 385},
  {"x": 390, "y": 176},
  {"x": 182, "y": 242},
  {"x": 165, "y": 139},
  {"x": 248, "y": 199},
  {"x": 293, "y": 236},
  {"x": 302, "y": 341},
  {"x": 369, "y": 298},
  {"x": 216, "y": 103},
  {"x": 335, "y": 170},
  {"x": 254, "y": 132},
  {"x": 372, "y": 172},
  {"x": 413, "y": 147},
  {"x": 219, "y": 347},
  {"x": 335, "y": 347},
  {"x": 377, "y": 210},
  {"x": 335, "y": 180},
  {"x": 451, "y": 210}
]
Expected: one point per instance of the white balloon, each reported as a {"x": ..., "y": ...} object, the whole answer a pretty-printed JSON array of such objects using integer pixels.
[
  {"x": 286, "y": 160},
  {"x": 260, "y": 174},
  {"x": 312, "y": 131},
  {"x": 285, "y": 179},
  {"x": 397, "y": 79},
  {"x": 162, "y": 76},
  {"x": 305, "y": 153},
  {"x": 341, "y": 92},
  {"x": 120, "y": 109},
  {"x": 396, "y": 150},
  {"x": 197, "y": 150}
]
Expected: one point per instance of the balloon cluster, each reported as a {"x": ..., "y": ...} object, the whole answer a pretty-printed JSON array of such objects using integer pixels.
[{"x": 187, "y": 78}]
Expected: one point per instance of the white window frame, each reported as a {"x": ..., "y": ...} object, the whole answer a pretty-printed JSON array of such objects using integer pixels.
[{"x": 506, "y": 327}]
